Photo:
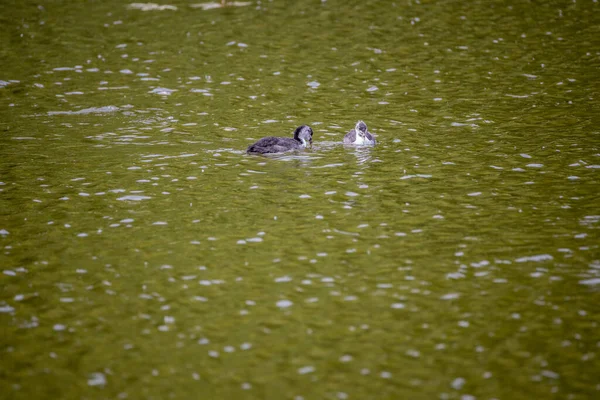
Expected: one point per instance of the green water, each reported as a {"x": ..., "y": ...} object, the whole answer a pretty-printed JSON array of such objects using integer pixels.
[{"x": 146, "y": 256}]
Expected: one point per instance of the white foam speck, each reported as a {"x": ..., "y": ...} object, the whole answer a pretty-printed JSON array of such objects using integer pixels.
[
  {"x": 541, "y": 257},
  {"x": 284, "y": 303},
  {"x": 97, "y": 379},
  {"x": 6, "y": 309},
  {"x": 450, "y": 296},
  {"x": 590, "y": 282},
  {"x": 162, "y": 91},
  {"x": 151, "y": 7},
  {"x": 245, "y": 346},
  {"x": 458, "y": 383},
  {"x": 306, "y": 370}
]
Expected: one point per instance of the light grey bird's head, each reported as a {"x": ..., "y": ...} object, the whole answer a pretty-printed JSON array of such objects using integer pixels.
[{"x": 361, "y": 128}]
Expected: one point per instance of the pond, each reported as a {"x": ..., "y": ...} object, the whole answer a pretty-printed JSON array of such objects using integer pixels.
[{"x": 145, "y": 255}]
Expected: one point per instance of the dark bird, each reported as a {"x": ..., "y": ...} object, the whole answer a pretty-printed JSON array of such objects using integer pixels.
[{"x": 302, "y": 139}]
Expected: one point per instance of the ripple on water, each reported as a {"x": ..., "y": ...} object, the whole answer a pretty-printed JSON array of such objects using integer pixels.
[
  {"x": 91, "y": 110},
  {"x": 133, "y": 198}
]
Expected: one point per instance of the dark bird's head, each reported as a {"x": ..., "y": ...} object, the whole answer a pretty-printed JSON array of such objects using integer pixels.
[
  {"x": 361, "y": 128},
  {"x": 303, "y": 134}
]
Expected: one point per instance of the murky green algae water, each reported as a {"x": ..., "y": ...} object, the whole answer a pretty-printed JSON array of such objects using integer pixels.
[{"x": 145, "y": 255}]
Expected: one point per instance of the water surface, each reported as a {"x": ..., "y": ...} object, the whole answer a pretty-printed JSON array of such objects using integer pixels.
[{"x": 146, "y": 256}]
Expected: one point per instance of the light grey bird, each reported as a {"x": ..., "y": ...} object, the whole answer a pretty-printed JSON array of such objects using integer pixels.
[{"x": 359, "y": 135}]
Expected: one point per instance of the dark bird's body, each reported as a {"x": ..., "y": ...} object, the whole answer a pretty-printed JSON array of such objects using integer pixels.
[{"x": 272, "y": 144}]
